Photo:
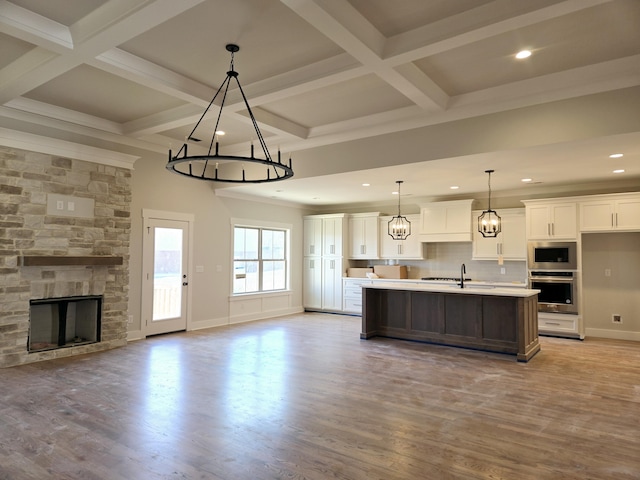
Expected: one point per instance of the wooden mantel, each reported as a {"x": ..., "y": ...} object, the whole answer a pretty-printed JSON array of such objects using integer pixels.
[{"x": 68, "y": 260}]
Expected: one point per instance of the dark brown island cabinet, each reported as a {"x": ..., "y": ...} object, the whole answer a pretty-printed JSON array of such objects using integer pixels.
[{"x": 503, "y": 320}]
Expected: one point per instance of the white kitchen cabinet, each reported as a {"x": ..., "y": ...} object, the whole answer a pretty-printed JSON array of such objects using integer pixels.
[
  {"x": 312, "y": 283},
  {"x": 363, "y": 236},
  {"x": 324, "y": 264},
  {"x": 332, "y": 273},
  {"x": 560, "y": 325},
  {"x": 352, "y": 294},
  {"x": 446, "y": 221},
  {"x": 551, "y": 220},
  {"x": 610, "y": 213},
  {"x": 511, "y": 242},
  {"x": 312, "y": 235},
  {"x": 410, "y": 249}
]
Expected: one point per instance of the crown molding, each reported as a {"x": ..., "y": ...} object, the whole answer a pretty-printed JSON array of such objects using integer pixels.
[{"x": 51, "y": 146}]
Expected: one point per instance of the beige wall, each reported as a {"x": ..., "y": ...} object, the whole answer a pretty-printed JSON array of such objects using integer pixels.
[
  {"x": 155, "y": 188},
  {"x": 619, "y": 293}
]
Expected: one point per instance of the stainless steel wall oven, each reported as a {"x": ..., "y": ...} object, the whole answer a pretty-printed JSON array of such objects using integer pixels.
[{"x": 558, "y": 290}]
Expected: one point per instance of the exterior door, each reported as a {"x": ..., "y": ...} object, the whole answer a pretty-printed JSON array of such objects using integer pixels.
[{"x": 166, "y": 276}]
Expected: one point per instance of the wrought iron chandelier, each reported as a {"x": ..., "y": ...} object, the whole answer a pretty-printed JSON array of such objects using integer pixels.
[
  {"x": 489, "y": 223},
  {"x": 218, "y": 167},
  {"x": 399, "y": 228}
]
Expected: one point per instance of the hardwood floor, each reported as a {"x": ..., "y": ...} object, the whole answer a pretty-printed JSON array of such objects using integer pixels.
[{"x": 302, "y": 397}]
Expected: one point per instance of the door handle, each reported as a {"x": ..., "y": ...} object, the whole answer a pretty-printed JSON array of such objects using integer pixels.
[{"x": 184, "y": 284}]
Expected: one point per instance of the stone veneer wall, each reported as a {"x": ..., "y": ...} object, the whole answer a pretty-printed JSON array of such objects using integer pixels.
[{"x": 26, "y": 178}]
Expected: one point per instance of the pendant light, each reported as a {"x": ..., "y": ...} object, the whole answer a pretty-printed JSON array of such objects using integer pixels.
[
  {"x": 217, "y": 167},
  {"x": 399, "y": 228},
  {"x": 489, "y": 223}
]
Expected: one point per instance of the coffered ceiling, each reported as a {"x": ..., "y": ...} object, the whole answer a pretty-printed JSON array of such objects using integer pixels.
[{"x": 356, "y": 91}]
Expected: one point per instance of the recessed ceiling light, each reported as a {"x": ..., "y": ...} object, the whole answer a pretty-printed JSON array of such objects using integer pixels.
[
  {"x": 394, "y": 193},
  {"x": 525, "y": 180},
  {"x": 618, "y": 171},
  {"x": 454, "y": 187},
  {"x": 615, "y": 155},
  {"x": 523, "y": 54},
  {"x": 366, "y": 184},
  {"x": 220, "y": 132}
]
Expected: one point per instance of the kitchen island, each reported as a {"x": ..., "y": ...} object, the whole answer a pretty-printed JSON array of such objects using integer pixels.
[{"x": 503, "y": 320}]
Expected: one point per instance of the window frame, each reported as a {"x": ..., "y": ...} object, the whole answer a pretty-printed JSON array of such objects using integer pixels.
[{"x": 261, "y": 226}]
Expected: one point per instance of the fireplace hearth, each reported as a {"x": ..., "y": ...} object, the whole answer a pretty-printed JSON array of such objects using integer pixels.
[{"x": 64, "y": 322}]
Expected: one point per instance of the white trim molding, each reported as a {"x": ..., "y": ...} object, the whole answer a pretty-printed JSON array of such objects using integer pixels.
[{"x": 51, "y": 146}]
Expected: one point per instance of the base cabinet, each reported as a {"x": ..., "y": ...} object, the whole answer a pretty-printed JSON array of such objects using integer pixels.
[
  {"x": 352, "y": 294},
  {"x": 559, "y": 325}
]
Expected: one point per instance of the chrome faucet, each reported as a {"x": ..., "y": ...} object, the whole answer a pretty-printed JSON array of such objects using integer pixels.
[{"x": 463, "y": 270}]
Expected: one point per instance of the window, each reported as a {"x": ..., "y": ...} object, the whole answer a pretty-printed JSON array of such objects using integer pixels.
[{"x": 260, "y": 259}]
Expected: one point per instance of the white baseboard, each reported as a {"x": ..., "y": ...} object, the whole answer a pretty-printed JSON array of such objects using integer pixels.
[
  {"x": 209, "y": 323},
  {"x": 613, "y": 334},
  {"x": 133, "y": 335}
]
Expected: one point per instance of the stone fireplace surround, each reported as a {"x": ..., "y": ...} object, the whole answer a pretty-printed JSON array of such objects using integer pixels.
[{"x": 75, "y": 246}]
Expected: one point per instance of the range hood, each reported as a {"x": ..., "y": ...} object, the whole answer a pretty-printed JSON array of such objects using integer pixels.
[{"x": 446, "y": 221}]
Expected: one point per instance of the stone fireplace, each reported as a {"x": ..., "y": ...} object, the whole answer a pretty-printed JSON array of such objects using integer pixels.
[{"x": 64, "y": 233}]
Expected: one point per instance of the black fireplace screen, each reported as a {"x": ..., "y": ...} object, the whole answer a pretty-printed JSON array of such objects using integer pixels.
[{"x": 64, "y": 322}]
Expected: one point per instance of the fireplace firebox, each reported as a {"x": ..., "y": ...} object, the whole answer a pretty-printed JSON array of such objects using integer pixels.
[{"x": 64, "y": 322}]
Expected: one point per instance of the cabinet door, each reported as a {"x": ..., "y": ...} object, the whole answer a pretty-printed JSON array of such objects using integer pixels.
[
  {"x": 363, "y": 237},
  {"x": 513, "y": 237},
  {"x": 596, "y": 216},
  {"x": 628, "y": 214},
  {"x": 312, "y": 282},
  {"x": 411, "y": 248},
  {"x": 332, "y": 236},
  {"x": 538, "y": 223},
  {"x": 312, "y": 234},
  {"x": 332, "y": 284},
  {"x": 563, "y": 223}
]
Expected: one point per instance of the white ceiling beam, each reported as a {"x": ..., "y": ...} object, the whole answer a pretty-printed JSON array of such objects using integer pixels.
[
  {"x": 462, "y": 29},
  {"x": 106, "y": 27},
  {"x": 33, "y": 28},
  {"x": 346, "y": 27}
]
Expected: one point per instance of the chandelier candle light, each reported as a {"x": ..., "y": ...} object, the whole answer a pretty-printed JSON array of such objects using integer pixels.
[
  {"x": 217, "y": 167},
  {"x": 489, "y": 223},
  {"x": 399, "y": 228}
]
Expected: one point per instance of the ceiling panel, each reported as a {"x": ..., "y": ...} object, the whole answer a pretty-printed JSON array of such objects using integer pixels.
[
  {"x": 94, "y": 92},
  {"x": 590, "y": 36},
  {"x": 66, "y": 12},
  {"x": 366, "y": 95},
  {"x": 12, "y": 49},
  {"x": 271, "y": 37}
]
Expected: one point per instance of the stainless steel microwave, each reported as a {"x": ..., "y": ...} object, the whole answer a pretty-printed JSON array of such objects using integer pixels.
[{"x": 552, "y": 256}]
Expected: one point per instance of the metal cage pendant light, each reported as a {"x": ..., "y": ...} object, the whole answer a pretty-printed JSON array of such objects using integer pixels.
[
  {"x": 489, "y": 223},
  {"x": 399, "y": 228},
  {"x": 218, "y": 167}
]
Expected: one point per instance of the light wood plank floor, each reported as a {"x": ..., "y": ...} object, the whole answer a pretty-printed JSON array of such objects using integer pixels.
[{"x": 302, "y": 397}]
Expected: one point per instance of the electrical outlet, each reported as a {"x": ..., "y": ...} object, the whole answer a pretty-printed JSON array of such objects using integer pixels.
[
  {"x": 130, "y": 319},
  {"x": 607, "y": 272},
  {"x": 616, "y": 318},
  {"x": 503, "y": 271},
  {"x": 60, "y": 205}
]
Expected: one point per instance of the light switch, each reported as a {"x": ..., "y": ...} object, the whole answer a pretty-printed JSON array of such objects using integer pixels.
[
  {"x": 60, "y": 205},
  {"x": 199, "y": 268},
  {"x": 71, "y": 206},
  {"x": 607, "y": 272}
]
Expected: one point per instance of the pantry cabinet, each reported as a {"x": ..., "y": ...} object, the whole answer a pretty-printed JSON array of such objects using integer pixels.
[
  {"x": 363, "y": 236},
  {"x": 409, "y": 249},
  {"x": 610, "y": 213},
  {"x": 324, "y": 264},
  {"x": 511, "y": 242}
]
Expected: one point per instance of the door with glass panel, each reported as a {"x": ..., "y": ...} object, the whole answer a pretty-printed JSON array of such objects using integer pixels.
[{"x": 166, "y": 276}]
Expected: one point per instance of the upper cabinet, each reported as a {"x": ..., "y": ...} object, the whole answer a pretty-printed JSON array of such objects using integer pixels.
[
  {"x": 363, "y": 236},
  {"x": 410, "y": 249},
  {"x": 323, "y": 235},
  {"x": 608, "y": 213},
  {"x": 511, "y": 242},
  {"x": 551, "y": 220},
  {"x": 446, "y": 221}
]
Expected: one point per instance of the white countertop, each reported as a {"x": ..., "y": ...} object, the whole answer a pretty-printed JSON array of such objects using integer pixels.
[{"x": 474, "y": 288}]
